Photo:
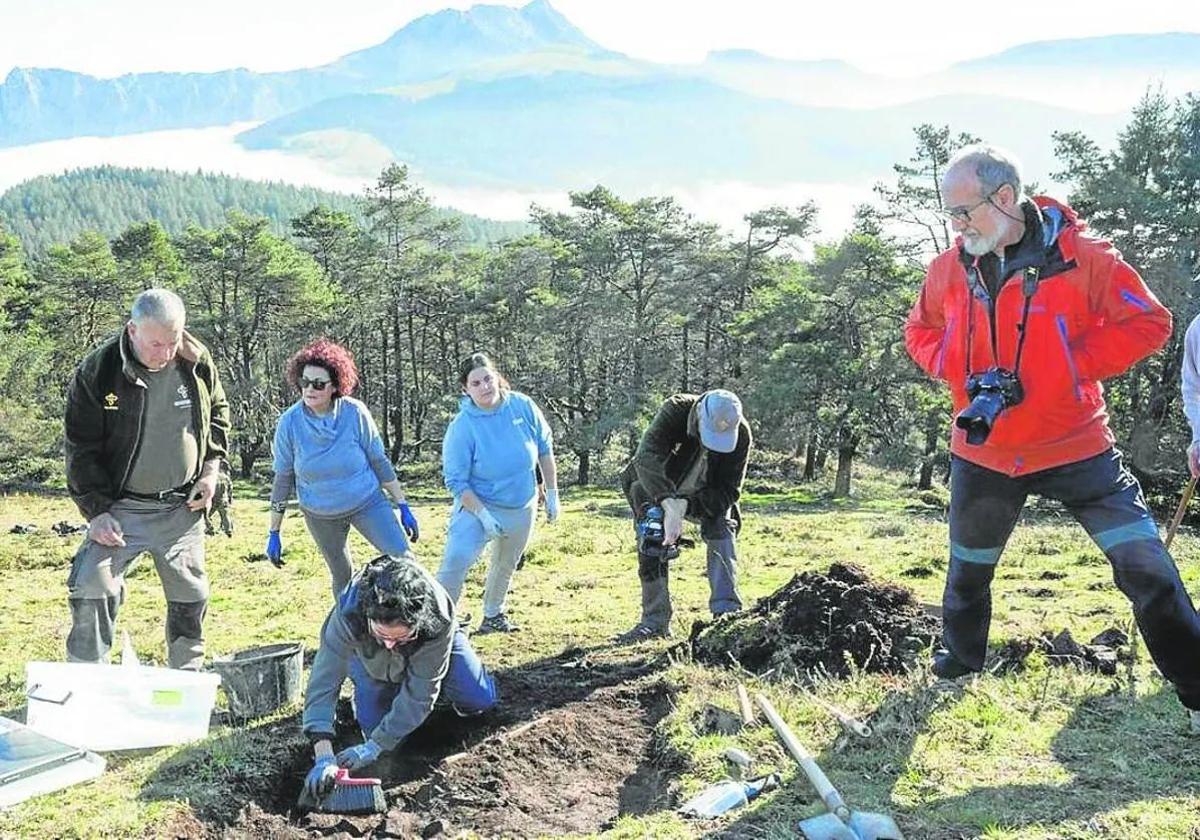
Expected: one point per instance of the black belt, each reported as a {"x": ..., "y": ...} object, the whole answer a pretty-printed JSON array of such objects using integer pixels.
[{"x": 180, "y": 492}]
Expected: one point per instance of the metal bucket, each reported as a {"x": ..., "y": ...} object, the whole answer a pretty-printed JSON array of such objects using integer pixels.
[{"x": 260, "y": 680}]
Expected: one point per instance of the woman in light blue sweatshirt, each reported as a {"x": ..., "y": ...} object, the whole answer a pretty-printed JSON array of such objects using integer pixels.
[
  {"x": 328, "y": 450},
  {"x": 491, "y": 449}
]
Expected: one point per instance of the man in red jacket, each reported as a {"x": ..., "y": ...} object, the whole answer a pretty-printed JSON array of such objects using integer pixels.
[{"x": 1022, "y": 319}]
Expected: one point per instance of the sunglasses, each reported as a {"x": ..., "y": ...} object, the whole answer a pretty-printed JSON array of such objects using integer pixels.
[{"x": 315, "y": 384}]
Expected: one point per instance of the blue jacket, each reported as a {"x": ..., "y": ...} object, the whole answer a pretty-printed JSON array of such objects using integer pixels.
[
  {"x": 335, "y": 462},
  {"x": 494, "y": 452}
]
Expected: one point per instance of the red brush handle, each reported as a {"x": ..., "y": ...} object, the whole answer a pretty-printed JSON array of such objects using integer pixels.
[{"x": 343, "y": 778}]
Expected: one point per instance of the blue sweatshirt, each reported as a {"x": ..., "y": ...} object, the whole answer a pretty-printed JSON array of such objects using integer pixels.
[
  {"x": 493, "y": 452},
  {"x": 336, "y": 462}
]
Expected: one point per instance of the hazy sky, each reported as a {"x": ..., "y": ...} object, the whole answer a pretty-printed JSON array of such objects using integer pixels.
[{"x": 109, "y": 37}]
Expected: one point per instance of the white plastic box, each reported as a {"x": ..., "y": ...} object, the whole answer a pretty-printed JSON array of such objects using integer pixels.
[{"x": 118, "y": 707}]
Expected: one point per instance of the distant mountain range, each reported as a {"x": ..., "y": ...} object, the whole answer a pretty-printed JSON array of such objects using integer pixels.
[
  {"x": 522, "y": 99},
  {"x": 47, "y": 104}
]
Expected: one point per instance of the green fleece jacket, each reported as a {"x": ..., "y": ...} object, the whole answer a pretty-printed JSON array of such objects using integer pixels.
[{"x": 105, "y": 408}]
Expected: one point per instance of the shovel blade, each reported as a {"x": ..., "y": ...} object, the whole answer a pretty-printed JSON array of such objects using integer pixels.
[
  {"x": 862, "y": 825},
  {"x": 826, "y": 827},
  {"x": 873, "y": 826}
]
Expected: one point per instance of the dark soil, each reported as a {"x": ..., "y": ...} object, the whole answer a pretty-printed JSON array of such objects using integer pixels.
[
  {"x": 821, "y": 622},
  {"x": 1101, "y": 654},
  {"x": 570, "y": 750}
]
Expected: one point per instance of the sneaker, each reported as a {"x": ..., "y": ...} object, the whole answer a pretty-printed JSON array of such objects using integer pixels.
[
  {"x": 1194, "y": 719},
  {"x": 642, "y": 632},
  {"x": 497, "y": 624},
  {"x": 946, "y": 667}
]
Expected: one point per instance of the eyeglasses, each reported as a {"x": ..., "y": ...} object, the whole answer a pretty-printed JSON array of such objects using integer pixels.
[
  {"x": 315, "y": 384},
  {"x": 408, "y": 635},
  {"x": 963, "y": 214}
]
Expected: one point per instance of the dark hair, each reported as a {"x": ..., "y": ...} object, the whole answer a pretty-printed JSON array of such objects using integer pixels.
[
  {"x": 394, "y": 591},
  {"x": 478, "y": 359},
  {"x": 329, "y": 355}
]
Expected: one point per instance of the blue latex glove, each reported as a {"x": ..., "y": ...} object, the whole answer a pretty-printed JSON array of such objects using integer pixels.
[
  {"x": 552, "y": 504},
  {"x": 320, "y": 778},
  {"x": 409, "y": 522},
  {"x": 275, "y": 549},
  {"x": 355, "y": 758}
]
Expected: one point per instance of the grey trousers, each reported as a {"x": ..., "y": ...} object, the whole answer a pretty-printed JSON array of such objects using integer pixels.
[
  {"x": 376, "y": 521},
  {"x": 465, "y": 542},
  {"x": 174, "y": 537},
  {"x": 719, "y": 534}
]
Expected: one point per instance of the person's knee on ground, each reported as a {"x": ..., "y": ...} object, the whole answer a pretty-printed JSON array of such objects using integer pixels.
[{"x": 468, "y": 688}]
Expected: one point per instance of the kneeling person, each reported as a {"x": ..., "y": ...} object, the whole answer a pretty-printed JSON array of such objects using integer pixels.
[
  {"x": 691, "y": 463},
  {"x": 393, "y": 632}
]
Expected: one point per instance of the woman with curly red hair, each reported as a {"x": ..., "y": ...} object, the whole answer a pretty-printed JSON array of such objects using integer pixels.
[{"x": 327, "y": 448}]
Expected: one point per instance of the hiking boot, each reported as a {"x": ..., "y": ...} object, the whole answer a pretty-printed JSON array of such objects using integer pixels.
[
  {"x": 946, "y": 667},
  {"x": 642, "y": 632},
  {"x": 1194, "y": 721},
  {"x": 497, "y": 624}
]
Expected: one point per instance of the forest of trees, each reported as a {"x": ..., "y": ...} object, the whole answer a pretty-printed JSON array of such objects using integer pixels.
[
  {"x": 48, "y": 210},
  {"x": 601, "y": 311}
]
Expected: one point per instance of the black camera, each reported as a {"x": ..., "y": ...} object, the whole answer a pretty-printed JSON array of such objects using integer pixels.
[
  {"x": 650, "y": 535},
  {"x": 990, "y": 393}
]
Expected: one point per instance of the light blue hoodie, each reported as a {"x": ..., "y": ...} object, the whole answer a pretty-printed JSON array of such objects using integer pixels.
[
  {"x": 335, "y": 461},
  {"x": 493, "y": 451}
]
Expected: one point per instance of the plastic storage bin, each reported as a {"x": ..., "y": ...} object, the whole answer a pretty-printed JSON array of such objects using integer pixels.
[{"x": 118, "y": 707}]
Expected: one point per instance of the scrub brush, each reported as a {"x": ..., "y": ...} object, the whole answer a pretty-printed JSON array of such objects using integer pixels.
[{"x": 348, "y": 796}]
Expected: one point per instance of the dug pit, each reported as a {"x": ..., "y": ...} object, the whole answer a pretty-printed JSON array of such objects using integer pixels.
[{"x": 571, "y": 750}]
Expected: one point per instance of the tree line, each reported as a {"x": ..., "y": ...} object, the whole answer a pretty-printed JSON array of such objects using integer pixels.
[{"x": 603, "y": 309}]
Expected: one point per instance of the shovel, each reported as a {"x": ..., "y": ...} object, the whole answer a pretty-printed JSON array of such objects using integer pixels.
[{"x": 840, "y": 823}]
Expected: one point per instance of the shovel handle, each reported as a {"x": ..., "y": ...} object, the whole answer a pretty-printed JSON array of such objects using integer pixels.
[
  {"x": 744, "y": 706},
  {"x": 1179, "y": 511},
  {"x": 825, "y": 789}
]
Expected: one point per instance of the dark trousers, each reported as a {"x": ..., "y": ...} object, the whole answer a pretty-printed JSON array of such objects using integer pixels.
[{"x": 1107, "y": 501}]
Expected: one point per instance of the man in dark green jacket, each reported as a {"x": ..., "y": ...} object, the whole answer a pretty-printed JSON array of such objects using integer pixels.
[
  {"x": 690, "y": 463},
  {"x": 146, "y": 434}
]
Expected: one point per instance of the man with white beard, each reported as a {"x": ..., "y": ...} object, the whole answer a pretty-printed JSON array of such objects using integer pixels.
[{"x": 1022, "y": 318}]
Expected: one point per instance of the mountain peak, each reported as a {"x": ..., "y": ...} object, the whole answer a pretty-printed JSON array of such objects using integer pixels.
[{"x": 457, "y": 38}]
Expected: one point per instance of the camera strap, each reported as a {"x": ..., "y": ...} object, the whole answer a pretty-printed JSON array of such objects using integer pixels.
[{"x": 1029, "y": 285}]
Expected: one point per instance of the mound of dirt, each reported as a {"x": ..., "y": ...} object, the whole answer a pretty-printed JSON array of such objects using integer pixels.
[{"x": 821, "y": 622}]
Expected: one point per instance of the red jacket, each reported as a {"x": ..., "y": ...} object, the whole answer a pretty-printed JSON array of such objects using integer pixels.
[{"x": 1090, "y": 318}]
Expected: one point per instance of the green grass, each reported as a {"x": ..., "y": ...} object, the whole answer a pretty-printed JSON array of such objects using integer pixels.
[{"x": 1047, "y": 753}]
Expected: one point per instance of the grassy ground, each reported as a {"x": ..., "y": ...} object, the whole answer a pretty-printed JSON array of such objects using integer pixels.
[{"x": 1047, "y": 753}]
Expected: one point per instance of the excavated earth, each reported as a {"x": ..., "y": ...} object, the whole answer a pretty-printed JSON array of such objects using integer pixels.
[
  {"x": 572, "y": 747},
  {"x": 570, "y": 750},
  {"x": 821, "y": 623}
]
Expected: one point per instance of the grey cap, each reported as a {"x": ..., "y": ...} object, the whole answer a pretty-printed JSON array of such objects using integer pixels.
[{"x": 720, "y": 414}]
